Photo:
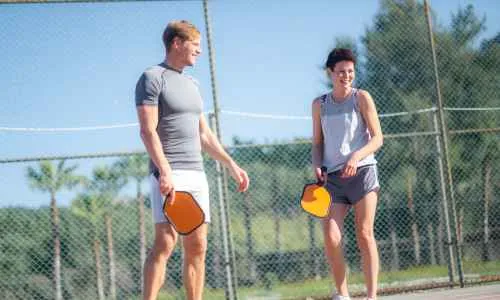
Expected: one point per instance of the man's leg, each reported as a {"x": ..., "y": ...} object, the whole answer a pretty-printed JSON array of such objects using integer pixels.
[
  {"x": 195, "y": 248},
  {"x": 365, "y": 218},
  {"x": 332, "y": 231},
  {"x": 154, "y": 267}
]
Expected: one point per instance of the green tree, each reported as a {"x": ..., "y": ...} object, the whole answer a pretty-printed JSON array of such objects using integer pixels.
[
  {"x": 96, "y": 207},
  {"x": 136, "y": 168},
  {"x": 107, "y": 182},
  {"x": 489, "y": 59},
  {"x": 91, "y": 207},
  {"x": 470, "y": 80},
  {"x": 51, "y": 179},
  {"x": 398, "y": 72}
]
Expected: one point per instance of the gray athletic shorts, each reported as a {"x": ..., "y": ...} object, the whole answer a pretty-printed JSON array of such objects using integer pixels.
[{"x": 350, "y": 190}]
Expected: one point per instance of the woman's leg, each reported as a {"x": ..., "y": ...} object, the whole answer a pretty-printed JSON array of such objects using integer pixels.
[
  {"x": 365, "y": 218},
  {"x": 332, "y": 231}
]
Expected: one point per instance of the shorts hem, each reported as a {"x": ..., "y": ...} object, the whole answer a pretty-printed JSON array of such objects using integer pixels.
[
  {"x": 375, "y": 189},
  {"x": 341, "y": 202},
  {"x": 167, "y": 222}
]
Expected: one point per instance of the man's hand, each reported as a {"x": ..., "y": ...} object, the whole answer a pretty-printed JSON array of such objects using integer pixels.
[
  {"x": 167, "y": 187},
  {"x": 240, "y": 176}
]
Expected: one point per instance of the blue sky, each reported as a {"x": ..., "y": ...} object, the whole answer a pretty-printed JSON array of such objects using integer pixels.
[{"x": 76, "y": 65}]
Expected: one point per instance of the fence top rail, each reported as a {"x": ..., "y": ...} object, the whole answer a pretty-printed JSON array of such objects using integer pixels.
[
  {"x": 299, "y": 142},
  {"x": 19, "y": 2},
  {"x": 235, "y": 113},
  {"x": 76, "y": 156}
]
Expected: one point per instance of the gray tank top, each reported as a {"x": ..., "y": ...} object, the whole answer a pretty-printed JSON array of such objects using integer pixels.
[
  {"x": 344, "y": 131},
  {"x": 179, "y": 106}
]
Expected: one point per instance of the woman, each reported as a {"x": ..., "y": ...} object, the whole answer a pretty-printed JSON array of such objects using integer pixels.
[{"x": 346, "y": 134}]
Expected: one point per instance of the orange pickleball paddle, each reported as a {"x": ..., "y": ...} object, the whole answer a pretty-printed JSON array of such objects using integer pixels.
[
  {"x": 185, "y": 214},
  {"x": 316, "y": 199}
]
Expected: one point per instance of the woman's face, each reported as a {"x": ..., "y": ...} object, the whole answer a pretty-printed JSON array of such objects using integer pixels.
[{"x": 343, "y": 74}]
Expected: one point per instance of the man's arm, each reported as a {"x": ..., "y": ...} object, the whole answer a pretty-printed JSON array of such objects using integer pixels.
[
  {"x": 212, "y": 146},
  {"x": 148, "y": 121}
]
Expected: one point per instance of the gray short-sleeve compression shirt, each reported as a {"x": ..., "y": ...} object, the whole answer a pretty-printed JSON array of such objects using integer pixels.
[{"x": 180, "y": 105}]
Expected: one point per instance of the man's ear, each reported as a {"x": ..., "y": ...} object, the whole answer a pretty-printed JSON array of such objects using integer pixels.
[{"x": 176, "y": 42}]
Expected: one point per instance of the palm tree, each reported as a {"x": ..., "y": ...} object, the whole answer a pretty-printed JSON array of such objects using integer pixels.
[
  {"x": 95, "y": 206},
  {"x": 90, "y": 207},
  {"x": 107, "y": 182},
  {"x": 136, "y": 167},
  {"x": 48, "y": 178}
]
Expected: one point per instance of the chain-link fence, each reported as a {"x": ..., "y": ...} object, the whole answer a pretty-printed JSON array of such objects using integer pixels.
[
  {"x": 106, "y": 230},
  {"x": 438, "y": 217}
]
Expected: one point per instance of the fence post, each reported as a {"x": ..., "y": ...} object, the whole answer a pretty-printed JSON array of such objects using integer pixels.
[
  {"x": 229, "y": 264},
  {"x": 230, "y": 290},
  {"x": 444, "y": 156},
  {"x": 446, "y": 214}
]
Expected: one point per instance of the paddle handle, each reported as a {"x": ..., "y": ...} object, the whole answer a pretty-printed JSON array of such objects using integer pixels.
[
  {"x": 156, "y": 174},
  {"x": 322, "y": 181}
]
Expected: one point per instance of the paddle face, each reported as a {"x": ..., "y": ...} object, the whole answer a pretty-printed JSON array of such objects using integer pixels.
[
  {"x": 316, "y": 200},
  {"x": 185, "y": 214}
]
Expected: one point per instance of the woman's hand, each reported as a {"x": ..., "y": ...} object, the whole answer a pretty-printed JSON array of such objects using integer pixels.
[
  {"x": 351, "y": 166},
  {"x": 320, "y": 175}
]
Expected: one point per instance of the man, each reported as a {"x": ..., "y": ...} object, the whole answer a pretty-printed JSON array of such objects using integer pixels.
[{"x": 174, "y": 132}]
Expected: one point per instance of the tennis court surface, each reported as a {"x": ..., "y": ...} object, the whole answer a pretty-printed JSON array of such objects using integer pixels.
[{"x": 482, "y": 292}]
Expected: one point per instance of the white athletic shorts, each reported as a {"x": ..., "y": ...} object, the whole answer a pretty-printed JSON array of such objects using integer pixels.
[{"x": 192, "y": 181}]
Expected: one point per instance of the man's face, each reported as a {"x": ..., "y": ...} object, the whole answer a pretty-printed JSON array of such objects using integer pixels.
[
  {"x": 190, "y": 50},
  {"x": 343, "y": 74}
]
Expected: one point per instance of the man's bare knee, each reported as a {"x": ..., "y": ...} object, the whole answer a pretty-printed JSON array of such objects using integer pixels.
[
  {"x": 196, "y": 243},
  {"x": 164, "y": 243},
  {"x": 195, "y": 247}
]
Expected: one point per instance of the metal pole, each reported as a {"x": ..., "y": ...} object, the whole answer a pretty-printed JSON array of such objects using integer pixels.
[
  {"x": 444, "y": 142},
  {"x": 231, "y": 282},
  {"x": 230, "y": 264},
  {"x": 211, "y": 58},
  {"x": 232, "y": 252},
  {"x": 442, "y": 180},
  {"x": 229, "y": 291}
]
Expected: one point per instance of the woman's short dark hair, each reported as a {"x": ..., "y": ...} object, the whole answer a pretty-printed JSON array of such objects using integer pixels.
[{"x": 339, "y": 54}]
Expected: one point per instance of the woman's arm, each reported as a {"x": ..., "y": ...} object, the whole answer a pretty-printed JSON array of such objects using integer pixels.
[
  {"x": 317, "y": 140},
  {"x": 370, "y": 116}
]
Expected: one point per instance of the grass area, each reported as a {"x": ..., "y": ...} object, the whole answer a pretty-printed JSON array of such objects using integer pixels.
[
  {"x": 323, "y": 287},
  {"x": 482, "y": 268},
  {"x": 293, "y": 236},
  {"x": 415, "y": 273}
]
